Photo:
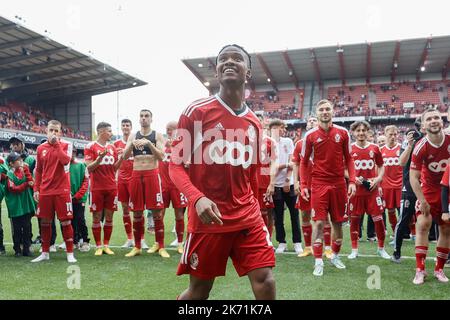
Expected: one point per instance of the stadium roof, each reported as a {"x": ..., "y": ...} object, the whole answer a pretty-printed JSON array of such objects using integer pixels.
[
  {"x": 340, "y": 62},
  {"x": 35, "y": 68}
]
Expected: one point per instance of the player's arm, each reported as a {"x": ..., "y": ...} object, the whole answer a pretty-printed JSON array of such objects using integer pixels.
[
  {"x": 84, "y": 186},
  {"x": 307, "y": 148},
  {"x": 118, "y": 160},
  {"x": 37, "y": 177},
  {"x": 380, "y": 170},
  {"x": 414, "y": 180},
  {"x": 350, "y": 165},
  {"x": 444, "y": 201},
  {"x": 91, "y": 164},
  {"x": 404, "y": 157},
  {"x": 64, "y": 156},
  {"x": 157, "y": 149},
  {"x": 13, "y": 188},
  {"x": 129, "y": 147}
]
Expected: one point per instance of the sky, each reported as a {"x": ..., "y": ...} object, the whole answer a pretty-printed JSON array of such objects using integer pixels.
[{"x": 148, "y": 39}]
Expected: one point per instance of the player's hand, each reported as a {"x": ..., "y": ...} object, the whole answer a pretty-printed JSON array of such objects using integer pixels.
[
  {"x": 305, "y": 194},
  {"x": 102, "y": 154},
  {"x": 140, "y": 143},
  {"x": 359, "y": 180},
  {"x": 208, "y": 212},
  {"x": 36, "y": 196},
  {"x": 410, "y": 138},
  {"x": 380, "y": 191},
  {"x": 425, "y": 208},
  {"x": 53, "y": 139},
  {"x": 445, "y": 217},
  {"x": 270, "y": 190},
  {"x": 31, "y": 183},
  {"x": 351, "y": 190},
  {"x": 373, "y": 183},
  {"x": 297, "y": 188}
]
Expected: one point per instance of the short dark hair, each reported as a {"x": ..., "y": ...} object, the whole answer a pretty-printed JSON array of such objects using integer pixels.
[
  {"x": 55, "y": 123},
  {"x": 127, "y": 121},
  {"x": 276, "y": 123},
  {"x": 103, "y": 125},
  {"x": 356, "y": 124},
  {"x": 146, "y": 110},
  {"x": 239, "y": 47}
]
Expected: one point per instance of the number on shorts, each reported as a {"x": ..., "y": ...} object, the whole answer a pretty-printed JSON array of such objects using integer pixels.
[
  {"x": 158, "y": 197},
  {"x": 379, "y": 201},
  {"x": 183, "y": 198},
  {"x": 269, "y": 243}
]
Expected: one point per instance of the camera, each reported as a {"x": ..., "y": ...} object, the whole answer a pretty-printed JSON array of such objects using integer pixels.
[{"x": 417, "y": 135}]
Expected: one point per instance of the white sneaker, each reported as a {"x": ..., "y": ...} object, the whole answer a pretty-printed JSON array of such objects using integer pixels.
[
  {"x": 353, "y": 255},
  {"x": 44, "y": 256},
  {"x": 62, "y": 246},
  {"x": 382, "y": 253},
  {"x": 128, "y": 244},
  {"x": 336, "y": 261},
  {"x": 174, "y": 243},
  {"x": 281, "y": 248},
  {"x": 318, "y": 269},
  {"x": 71, "y": 258},
  {"x": 53, "y": 248},
  {"x": 85, "y": 247},
  {"x": 298, "y": 247},
  {"x": 144, "y": 245}
]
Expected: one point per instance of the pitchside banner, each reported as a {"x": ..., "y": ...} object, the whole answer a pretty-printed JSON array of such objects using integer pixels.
[{"x": 35, "y": 138}]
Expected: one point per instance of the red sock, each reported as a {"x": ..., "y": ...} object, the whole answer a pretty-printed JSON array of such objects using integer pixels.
[
  {"x": 392, "y": 219},
  {"x": 354, "y": 230},
  {"x": 336, "y": 246},
  {"x": 318, "y": 249},
  {"x": 307, "y": 233},
  {"x": 46, "y": 234},
  {"x": 97, "y": 232},
  {"x": 67, "y": 232},
  {"x": 441, "y": 257},
  {"x": 327, "y": 235},
  {"x": 179, "y": 228},
  {"x": 159, "y": 232},
  {"x": 421, "y": 255},
  {"x": 143, "y": 229},
  {"x": 127, "y": 223},
  {"x": 107, "y": 231},
  {"x": 137, "y": 231},
  {"x": 380, "y": 230}
]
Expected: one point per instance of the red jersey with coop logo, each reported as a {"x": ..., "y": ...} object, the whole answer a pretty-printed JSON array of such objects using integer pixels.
[
  {"x": 221, "y": 148},
  {"x": 126, "y": 168},
  {"x": 366, "y": 160},
  {"x": 104, "y": 176},
  {"x": 393, "y": 171}
]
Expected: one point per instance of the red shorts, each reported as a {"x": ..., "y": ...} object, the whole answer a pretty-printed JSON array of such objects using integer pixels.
[
  {"x": 123, "y": 192},
  {"x": 61, "y": 204},
  {"x": 302, "y": 204},
  {"x": 371, "y": 204},
  {"x": 103, "y": 199},
  {"x": 206, "y": 254},
  {"x": 146, "y": 191},
  {"x": 392, "y": 197},
  {"x": 173, "y": 195},
  {"x": 329, "y": 199},
  {"x": 264, "y": 201},
  {"x": 434, "y": 199}
]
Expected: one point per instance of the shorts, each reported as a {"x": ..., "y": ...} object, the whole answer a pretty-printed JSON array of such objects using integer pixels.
[
  {"x": 146, "y": 191},
  {"x": 123, "y": 192},
  {"x": 434, "y": 199},
  {"x": 371, "y": 204},
  {"x": 264, "y": 201},
  {"x": 103, "y": 199},
  {"x": 206, "y": 254},
  {"x": 330, "y": 199},
  {"x": 61, "y": 204},
  {"x": 392, "y": 197},
  {"x": 173, "y": 195},
  {"x": 302, "y": 204}
]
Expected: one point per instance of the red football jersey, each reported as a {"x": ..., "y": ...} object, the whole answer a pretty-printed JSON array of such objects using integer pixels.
[
  {"x": 432, "y": 161},
  {"x": 296, "y": 158},
  {"x": 220, "y": 147},
  {"x": 52, "y": 168},
  {"x": 446, "y": 179},
  {"x": 366, "y": 160},
  {"x": 268, "y": 154},
  {"x": 164, "y": 168},
  {"x": 126, "y": 168},
  {"x": 330, "y": 153},
  {"x": 104, "y": 176},
  {"x": 393, "y": 171}
]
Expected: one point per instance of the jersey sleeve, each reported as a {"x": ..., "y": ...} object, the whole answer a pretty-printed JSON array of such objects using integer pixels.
[
  {"x": 89, "y": 154},
  {"x": 417, "y": 158},
  {"x": 297, "y": 150},
  {"x": 304, "y": 159},
  {"x": 378, "y": 157},
  {"x": 38, "y": 171},
  {"x": 348, "y": 158}
]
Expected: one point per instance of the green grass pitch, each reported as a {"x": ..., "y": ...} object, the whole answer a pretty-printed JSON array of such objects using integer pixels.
[{"x": 151, "y": 277}]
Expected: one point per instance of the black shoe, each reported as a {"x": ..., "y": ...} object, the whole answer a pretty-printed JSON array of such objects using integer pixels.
[
  {"x": 396, "y": 257},
  {"x": 17, "y": 254},
  {"x": 37, "y": 240},
  {"x": 27, "y": 254}
]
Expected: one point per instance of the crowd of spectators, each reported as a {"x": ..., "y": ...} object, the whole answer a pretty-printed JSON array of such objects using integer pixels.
[{"x": 284, "y": 111}]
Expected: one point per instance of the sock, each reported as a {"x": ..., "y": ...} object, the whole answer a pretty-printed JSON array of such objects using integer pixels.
[
  {"x": 441, "y": 257},
  {"x": 46, "y": 234},
  {"x": 97, "y": 232},
  {"x": 392, "y": 218},
  {"x": 336, "y": 246},
  {"x": 143, "y": 229},
  {"x": 379, "y": 230},
  {"x": 307, "y": 233},
  {"x": 421, "y": 255},
  {"x": 137, "y": 231},
  {"x": 327, "y": 235},
  {"x": 159, "y": 232},
  {"x": 127, "y": 224},
  {"x": 107, "y": 231},
  {"x": 67, "y": 232},
  {"x": 179, "y": 227},
  {"x": 354, "y": 230},
  {"x": 318, "y": 249}
]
